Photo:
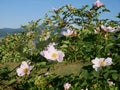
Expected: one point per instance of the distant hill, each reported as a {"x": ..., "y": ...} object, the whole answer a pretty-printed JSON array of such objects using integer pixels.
[{"x": 5, "y": 31}]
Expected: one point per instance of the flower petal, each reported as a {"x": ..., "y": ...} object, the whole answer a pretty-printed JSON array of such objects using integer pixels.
[
  {"x": 31, "y": 67},
  {"x": 20, "y": 72},
  {"x": 61, "y": 55},
  {"x": 95, "y": 67},
  {"x": 108, "y": 61},
  {"x": 24, "y": 65}
]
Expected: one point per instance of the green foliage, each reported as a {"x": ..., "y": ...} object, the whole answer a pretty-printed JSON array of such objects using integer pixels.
[{"x": 88, "y": 41}]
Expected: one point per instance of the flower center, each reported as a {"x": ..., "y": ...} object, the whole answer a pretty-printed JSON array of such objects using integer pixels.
[
  {"x": 54, "y": 55},
  {"x": 102, "y": 63},
  {"x": 25, "y": 70}
]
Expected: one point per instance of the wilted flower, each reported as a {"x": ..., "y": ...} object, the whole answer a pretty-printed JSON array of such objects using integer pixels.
[
  {"x": 67, "y": 33},
  {"x": 69, "y": 6},
  {"x": 45, "y": 35},
  {"x": 96, "y": 30},
  {"x": 118, "y": 28},
  {"x": 47, "y": 73},
  {"x": 32, "y": 44},
  {"x": 67, "y": 86},
  {"x": 56, "y": 10},
  {"x": 110, "y": 83},
  {"x": 110, "y": 29},
  {"x": 24, "y": 69},
  {"x": 107, "y": 29},
  {"x": 85, "y": 89},
  {"x": 52, "y": 44},
  {"x": 50, "y": 53},
  {"x": 97, "y": 4},
  {"x": 30, "y": 33},
  {"x": 40, "y": 81},
  {"x": 99, "y": 62}
]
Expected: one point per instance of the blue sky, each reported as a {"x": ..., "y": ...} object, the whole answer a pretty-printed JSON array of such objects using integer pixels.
[{"x": 14, "y": 13}]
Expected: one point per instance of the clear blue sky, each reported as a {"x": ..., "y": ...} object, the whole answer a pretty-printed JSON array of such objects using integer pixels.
[{"x": 14, "y": 13}]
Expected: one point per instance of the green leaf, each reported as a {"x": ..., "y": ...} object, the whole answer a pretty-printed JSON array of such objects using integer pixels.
[
  {"x": 106, "y": 75},
  {"x": 41, "y": 63},
  {"x": 106, "y": 10},
  {"x": 84, "y": 83},
  {"x": 86, "y": 74},
  {"x": 113, "y": 71},
  {"x": 66, "y": 42},
  {"x": 95, "y": 73},
  {"x": 64, "y": 46},
  {"x": 115, "y": 76},
  {"x": 12, "y": 81}
]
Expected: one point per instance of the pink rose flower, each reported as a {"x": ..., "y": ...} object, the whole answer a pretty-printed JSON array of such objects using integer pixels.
[
  {"x": 24, "y": 69},
  {"x": 67, "y": 86},
  {"x": 97, "y": 3}
]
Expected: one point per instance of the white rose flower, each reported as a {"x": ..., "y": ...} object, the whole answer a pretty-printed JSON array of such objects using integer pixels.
[
  {"x": 100, "y": 62},
  {"x": 24, "y": 69}
]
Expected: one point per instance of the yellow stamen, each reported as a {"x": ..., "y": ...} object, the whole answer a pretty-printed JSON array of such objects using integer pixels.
[
  {"x": 25, "y": 70},
  {"x": 54, "y": 55},
  {"x": 102, "y": 63}
]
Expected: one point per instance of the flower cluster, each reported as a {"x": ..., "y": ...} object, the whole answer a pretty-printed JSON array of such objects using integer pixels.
[
  {"x": 50, "y": 53},
  {"x": 100, "y": 62}
]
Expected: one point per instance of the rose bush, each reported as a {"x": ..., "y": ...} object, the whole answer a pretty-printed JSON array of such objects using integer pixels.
[{"x": 79, "y": 36}]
